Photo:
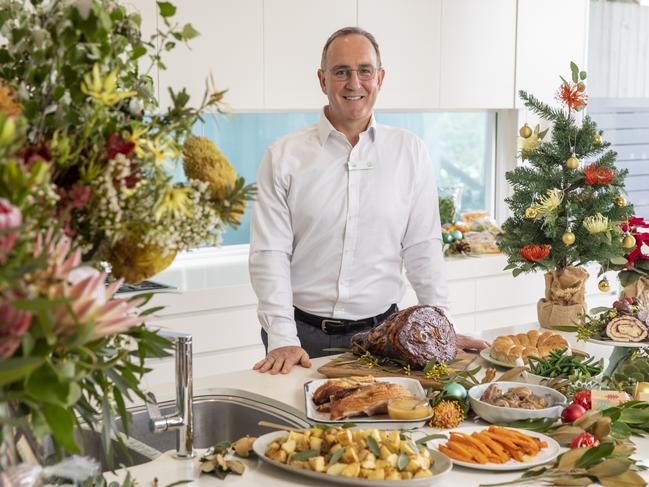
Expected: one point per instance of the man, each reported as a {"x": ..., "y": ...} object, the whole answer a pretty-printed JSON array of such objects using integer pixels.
[{"x": 341, "y": 206}]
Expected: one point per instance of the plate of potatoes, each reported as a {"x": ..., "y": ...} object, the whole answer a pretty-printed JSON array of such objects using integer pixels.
[{"x": 353, "y": 456}]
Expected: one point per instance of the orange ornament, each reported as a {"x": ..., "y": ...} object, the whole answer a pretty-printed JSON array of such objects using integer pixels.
[
  {"x": 534, "y": 252},
  {"x": 570, "y": 95},
  {"x": 598, "y": 175}
]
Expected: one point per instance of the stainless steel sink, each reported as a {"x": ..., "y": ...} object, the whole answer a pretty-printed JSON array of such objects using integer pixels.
[{"x": 225, "y": 414}]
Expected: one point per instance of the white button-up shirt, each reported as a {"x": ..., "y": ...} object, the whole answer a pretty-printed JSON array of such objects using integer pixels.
[{"x": 333, "y": 225}]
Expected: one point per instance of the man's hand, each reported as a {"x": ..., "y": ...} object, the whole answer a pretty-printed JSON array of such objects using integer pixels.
[
  {"x": 282, "y": 360},
  {"x": 465, "y": 342}
]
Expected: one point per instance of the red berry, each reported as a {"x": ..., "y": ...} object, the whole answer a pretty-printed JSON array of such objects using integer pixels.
[{"x": 581, "y": 87}]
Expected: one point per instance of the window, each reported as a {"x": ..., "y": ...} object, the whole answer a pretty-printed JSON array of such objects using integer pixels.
[{"x": 462, "y": 147}]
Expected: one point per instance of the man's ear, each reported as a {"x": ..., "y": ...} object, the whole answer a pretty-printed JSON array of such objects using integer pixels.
[
  {"x": 380, "y": 76},
  {"x": 321, "y": 78}
]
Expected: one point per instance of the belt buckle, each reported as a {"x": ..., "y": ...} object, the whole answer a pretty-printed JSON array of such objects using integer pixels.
[{"x": 323, "y": 324}]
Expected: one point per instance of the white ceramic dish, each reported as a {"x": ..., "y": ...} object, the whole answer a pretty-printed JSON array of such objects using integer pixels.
[
  {"x": 382, "y": 421},
  {"x": 485, "y": 353},
  {"x": 500, "y": 414},
  {"x": 546, "y": 455},
  {"x": 531, "y": 378},
  {"x": 611, "y": 343},
  {"x": 441, "y": 465}
]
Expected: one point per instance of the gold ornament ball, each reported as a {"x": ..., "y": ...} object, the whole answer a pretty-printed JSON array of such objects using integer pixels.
[
  {"x": 620, "y": 201},
  {"x": 572, "y": 163},
  {"x": 525, "y": 131},
  {"x": 598, "y": 139},
  {"x": 628, "y": 242},
  {"x": 568, "y": 238},
  {"x": 640, "y": 387},
  {"x": 604, "y": 285},
  {"x": 531, "y": 213}
]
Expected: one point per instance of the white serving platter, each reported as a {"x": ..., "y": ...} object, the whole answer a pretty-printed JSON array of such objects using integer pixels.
[{"x": 382, "y": 421}]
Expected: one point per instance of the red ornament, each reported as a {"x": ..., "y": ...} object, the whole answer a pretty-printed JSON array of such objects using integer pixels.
[
  {"x": 570, "y": 95},
  {"x": 534, "y": 252},
  {"x": 584, "y": 440},
  {"x": 640, "y": 230},
  {"x": 583, "y": 399},
  {"x": 572, "y": 413},
  {"x": 598, "y": 175}
]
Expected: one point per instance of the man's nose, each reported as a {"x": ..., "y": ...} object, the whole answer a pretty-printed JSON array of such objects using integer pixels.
[{"x": 354, "y": 81}]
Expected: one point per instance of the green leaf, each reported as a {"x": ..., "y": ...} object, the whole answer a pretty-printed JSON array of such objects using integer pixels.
[
  {"x": 575, "y": 72},
  {"x": 138, "y": 52},
  {"x": 189, "y": 32},
  {"x": 634, "y": 416},
  {"x": 582, "y": 75},
  {"x": 348, "y": 425},
  {"x": 336, "y": 456},
  {"x": 594, "y": 455},
  {"x": 166, "y": 9},
  {"x": 61, "y": 422},
  {"x": 373, "y": 446},
  {"x": 45, "y": 386},
  {"x": 304, "y": 455},
  {"x": 16, "y": 368},
  {"x": 619, "y": 260},
  {"x": 402, "y": 462}
]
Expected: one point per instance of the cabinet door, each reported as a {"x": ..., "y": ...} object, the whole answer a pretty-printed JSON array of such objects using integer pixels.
[
  {"x": 294, "y": 34},
  {"x": 408, "y": 36},
  {"x": 542, "y": 58},
  {"x": 229, "y": 48},
  {"x": 478, "y": 53}
]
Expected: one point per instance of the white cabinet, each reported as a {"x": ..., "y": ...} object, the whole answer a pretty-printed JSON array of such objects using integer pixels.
[
  {"x": 408, "y": 36},
  {"x": 542, "y": 58},
  {"x": 229, "y": 47},
  {"x": 294, "y": 34},
  {"x": 478, "y": 41}
]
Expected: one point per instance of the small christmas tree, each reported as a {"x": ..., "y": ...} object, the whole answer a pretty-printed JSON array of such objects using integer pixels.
[{"x": 567, "y": 204}]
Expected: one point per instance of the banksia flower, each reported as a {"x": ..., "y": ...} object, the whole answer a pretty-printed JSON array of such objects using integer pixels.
[
  {"x": 446, "y": 414},
  {"x": 534, "y": 252},
  {"x": 597, "y": 175},
  {"x": 134, "y": 261},
  {"x": 204, "y": 161}
]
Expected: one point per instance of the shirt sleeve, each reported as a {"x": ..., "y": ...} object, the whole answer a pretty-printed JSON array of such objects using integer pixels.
[
  {"x": 271, "y": 246},
  {"x": 422, "y": 246}
]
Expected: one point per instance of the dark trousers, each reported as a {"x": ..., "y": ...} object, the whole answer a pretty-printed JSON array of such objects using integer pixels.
[{"x": 314, "y": 340}]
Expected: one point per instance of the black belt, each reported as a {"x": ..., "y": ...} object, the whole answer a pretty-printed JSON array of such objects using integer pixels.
[{"x": 332, "y": 326}]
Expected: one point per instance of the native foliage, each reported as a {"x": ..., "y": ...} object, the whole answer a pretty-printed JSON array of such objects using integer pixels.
[{"x": 553, "y": 204}]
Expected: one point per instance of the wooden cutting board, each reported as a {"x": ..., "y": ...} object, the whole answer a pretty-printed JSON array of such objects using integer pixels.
[{"x": 340, "y": 367}]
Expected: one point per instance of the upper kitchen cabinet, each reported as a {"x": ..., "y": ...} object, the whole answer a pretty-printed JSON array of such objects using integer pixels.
[
  {"x": 542, "y": 58},
  {"x": 294, "y": 33},
  {"x": 408, "y": 36},
  {"x": 229, "y": 47},
  {"x": 478, "y": 45}
]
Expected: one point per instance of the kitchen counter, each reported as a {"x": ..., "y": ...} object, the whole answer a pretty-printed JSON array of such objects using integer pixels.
[{"x": 289, "y": 389}]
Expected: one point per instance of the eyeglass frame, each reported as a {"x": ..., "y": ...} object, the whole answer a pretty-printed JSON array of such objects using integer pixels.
[{"x": 349, "y": 72}]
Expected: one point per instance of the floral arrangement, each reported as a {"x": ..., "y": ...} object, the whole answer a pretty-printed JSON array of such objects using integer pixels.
[
  {"x": 84, "y": 159},
  {"x": 79, "y": 73}
]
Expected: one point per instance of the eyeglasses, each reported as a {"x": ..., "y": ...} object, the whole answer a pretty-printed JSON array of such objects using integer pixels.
[{"x": 364, "y": 73}]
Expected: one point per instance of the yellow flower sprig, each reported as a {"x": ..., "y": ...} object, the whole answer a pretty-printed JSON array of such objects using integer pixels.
[
  {"x": 103, "y": 89},
  {"x": 174, "y": 202},
  {"x": 596, "y": 224}
]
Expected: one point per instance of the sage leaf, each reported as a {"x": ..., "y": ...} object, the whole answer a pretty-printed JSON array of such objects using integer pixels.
[
  {"x": 304, "y": 455},
  {"x": 373, "y": 446},
  {"x": 336, "y": 456},
  {"x": 594, "y": 455},
  {"x": 402, "y": 462}
]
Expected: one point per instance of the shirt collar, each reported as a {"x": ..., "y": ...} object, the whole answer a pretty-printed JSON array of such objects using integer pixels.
[{"x": 325, "y": 128}]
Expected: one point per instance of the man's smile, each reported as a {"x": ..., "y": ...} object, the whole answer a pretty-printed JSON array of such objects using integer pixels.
[{"x": 354, "y": 98}]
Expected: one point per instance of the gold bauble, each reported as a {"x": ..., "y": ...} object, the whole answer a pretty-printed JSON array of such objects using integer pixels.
[
  {"x": 568, "y": 238},
  {"x": 597, "y": 139},
  {"x": 531, "y": 213},
  {"x": 604, "y": 285},
  {"x": 640, "y": 387},
  {"x": 525, "y": 131},
  {"x": 620, "y": 201},
  {"x": 572, "y": 163},
  {"x": 628, "y": 242}
]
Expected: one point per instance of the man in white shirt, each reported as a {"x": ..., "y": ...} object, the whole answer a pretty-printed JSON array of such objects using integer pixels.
[{"x": 341, "y": 206}]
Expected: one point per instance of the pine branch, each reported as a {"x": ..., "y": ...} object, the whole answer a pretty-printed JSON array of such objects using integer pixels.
[{"x": 542, "y": 109}]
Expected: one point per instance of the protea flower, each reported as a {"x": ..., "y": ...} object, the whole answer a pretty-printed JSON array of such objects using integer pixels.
[
  {"x": 14, "y": 324},
  {"x": 10, "y": 220}
]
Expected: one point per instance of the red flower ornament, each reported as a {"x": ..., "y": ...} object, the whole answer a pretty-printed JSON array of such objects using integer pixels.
[
  {"x": 570, "y": 95},
  {"x": 595, "y": 175},
  {"x": 534, "y": 252}
]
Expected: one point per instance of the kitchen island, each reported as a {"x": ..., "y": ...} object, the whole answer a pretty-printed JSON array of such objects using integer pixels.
[{"x": 289, "y": 389}]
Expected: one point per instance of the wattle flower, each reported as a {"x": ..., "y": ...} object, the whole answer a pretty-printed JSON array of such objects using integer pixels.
[
  {"x": 14, "y": 324},
  {"x": 10, "y": 221}
]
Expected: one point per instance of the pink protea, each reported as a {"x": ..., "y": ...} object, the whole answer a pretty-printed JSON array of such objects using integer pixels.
[
  {"x": 60, "y": 261},
  {"x": 90, "y": 300},
  {"x": 14, "y": 324},
  {"x": 10, "y": 221}
]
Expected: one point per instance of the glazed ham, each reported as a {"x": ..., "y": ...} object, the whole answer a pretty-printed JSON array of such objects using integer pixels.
[
  {"x": 368, "y": 400},
  {"x": 415, "y": 335}
]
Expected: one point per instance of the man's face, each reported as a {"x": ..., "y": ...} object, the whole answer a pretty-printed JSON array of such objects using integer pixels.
[{"x": 350, "y": 99}]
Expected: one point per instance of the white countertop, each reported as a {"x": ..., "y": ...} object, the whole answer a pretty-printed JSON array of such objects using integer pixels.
[{"x": 289, "y": 390}]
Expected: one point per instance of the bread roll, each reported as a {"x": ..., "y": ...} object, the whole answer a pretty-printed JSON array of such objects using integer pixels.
[{"x": 509, "y": 348}]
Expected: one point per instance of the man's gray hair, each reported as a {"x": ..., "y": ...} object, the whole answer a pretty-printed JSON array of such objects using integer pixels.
[{"x": 348, "y": 31}]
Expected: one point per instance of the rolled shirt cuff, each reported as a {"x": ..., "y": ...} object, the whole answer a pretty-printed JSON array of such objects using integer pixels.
[{"x": 282, "y": 334}]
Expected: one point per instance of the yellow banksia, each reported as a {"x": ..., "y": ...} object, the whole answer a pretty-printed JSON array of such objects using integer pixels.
[
  {"x": 204, "y": 161},
  {"x": 136, "y": 262}
]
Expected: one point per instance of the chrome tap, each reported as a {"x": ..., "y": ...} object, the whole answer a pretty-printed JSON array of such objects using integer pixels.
[{"x": 182, "y": 419}]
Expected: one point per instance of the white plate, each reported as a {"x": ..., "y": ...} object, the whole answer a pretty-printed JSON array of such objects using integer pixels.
[
  {"x": 611, "y": 343},
  {"x": 441, "y": 465},
  {"x": 485, "y": 353},
  {"x": 545, "y": 455},
  {"x": 382, "y": 421}
]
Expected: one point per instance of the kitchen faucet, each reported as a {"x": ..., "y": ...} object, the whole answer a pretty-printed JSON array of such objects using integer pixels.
[{"x": 182, "y": 419}]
